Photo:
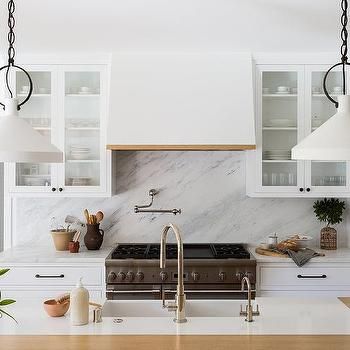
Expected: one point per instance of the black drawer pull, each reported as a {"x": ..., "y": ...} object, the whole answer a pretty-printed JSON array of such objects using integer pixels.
[
  {"x": 49, "y": 276},
  {"x": 312, "y": 276}
]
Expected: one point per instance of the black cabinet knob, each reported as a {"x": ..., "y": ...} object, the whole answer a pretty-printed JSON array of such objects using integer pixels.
[
  {"x": 301, "y": 189},
  {"x": 308, "y": 189},
  {"x": 53, "y": 189},
  {"x": 60, "y": 189}
]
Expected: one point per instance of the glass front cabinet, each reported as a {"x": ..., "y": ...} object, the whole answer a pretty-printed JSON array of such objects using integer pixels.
[
  {"x": 69, "y": 107},
  {"x": 290, "y": 104}
]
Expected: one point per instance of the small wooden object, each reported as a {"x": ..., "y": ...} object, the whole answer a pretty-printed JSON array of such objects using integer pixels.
[
  {"x": 269, "y": 252},
  {"x": 74, "y": 246}
]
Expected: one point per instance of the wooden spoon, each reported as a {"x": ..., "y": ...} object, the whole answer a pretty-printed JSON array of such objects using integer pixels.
[
  {"x": 87, "y": 216},
  {"x": 99, "y": 216}
]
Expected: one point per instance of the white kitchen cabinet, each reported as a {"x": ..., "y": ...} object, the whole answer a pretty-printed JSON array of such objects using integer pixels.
[
  {"x": 290, "y": 104},
  {"x": 318, "y": 279},
  {"x": 51, "y": 280},
  {"x": 69, "y": 105}
]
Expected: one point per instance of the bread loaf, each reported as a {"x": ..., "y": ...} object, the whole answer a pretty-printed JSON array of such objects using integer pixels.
[{"x": 287, "y": 244}]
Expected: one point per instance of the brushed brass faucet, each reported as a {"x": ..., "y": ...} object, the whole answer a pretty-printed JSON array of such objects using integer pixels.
[
  {"x": 248, "y": 313},
  {"x": 180, "y": 299}
]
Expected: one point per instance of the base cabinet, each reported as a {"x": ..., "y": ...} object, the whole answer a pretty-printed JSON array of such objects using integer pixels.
[
  {"x": 286, "y": 279},
  {"x": 48, "y": 282}
]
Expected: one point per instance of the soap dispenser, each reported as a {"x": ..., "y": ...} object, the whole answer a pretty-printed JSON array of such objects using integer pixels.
[{"x": 79, "y": 305}]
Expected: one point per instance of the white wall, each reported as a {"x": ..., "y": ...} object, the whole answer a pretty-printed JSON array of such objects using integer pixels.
[
  {"x": 208, "y": 186},
  {"x": 174, "y": 25}
]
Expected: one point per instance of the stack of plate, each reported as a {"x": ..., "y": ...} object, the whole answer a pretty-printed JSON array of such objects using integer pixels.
[
  {"x": 79, "y": 181},
  {"x": 277, "y": 154},
  {"x": 79, "y": 152}
]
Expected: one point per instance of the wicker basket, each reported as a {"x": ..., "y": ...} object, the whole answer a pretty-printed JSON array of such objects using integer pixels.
[{"x": 328, "y": 238}]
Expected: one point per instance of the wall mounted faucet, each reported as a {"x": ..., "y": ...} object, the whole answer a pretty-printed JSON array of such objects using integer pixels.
[{"x": 143, "y": 208}]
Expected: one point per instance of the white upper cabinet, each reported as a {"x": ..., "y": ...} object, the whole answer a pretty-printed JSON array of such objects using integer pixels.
[
  {"x": 290, "y": 104},
  {"x": 69, "y": 105},
  {"x": 181, "y": 99}
]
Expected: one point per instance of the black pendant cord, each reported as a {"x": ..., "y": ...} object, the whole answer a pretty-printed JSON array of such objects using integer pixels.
[
  {"x": 343, "y": 51},
  {"x": 11, "y": 37}
]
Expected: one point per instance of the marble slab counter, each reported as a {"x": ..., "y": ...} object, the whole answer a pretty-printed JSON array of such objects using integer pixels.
[
  {"x": 295, "y": 316},
  {"x": 30, "y": 254},
  {"x": 341, "y": 255}
]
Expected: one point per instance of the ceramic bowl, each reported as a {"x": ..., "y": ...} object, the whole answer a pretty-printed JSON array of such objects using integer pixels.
[
  {"x": 55, "y": 310},
  {"x": 61, "y": 238}
]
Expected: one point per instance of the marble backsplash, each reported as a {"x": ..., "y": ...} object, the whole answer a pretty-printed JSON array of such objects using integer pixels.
[{"x": 209, "y": 187}]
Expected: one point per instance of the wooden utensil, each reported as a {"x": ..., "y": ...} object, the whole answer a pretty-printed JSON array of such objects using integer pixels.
[
  {"x": 269, "y": 252},
  {"x": 87, "y": 217},
  {"x": 99, "y": 216}
]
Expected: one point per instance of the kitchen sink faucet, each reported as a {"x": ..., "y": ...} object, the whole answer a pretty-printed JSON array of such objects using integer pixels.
[
  {"x": 179, "y": 305},
  {"x": 248, "y": 313}
]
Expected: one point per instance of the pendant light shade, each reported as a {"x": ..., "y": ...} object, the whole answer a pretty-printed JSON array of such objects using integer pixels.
[
  {"x": 19, "y": 142},
  {"x": 331, "y": 141}
]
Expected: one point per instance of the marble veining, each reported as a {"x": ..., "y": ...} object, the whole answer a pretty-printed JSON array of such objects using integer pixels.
[{"x": 209, "y": 187}]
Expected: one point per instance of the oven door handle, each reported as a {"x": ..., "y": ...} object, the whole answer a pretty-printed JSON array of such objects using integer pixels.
[
  {"x": 154, "y": 291},
  {"x": 168, "y": 291}
]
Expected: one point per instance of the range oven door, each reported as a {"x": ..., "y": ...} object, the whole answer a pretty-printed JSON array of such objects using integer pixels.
[
  {"x": 208, "y": 291},
  {"x": 133, "y": 292}
]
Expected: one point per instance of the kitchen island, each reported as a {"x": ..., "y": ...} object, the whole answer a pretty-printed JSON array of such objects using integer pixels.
[{"x": 294, "y": 323}]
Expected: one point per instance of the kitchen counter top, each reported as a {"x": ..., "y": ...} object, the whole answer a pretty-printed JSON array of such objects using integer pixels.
[
  {"x": 29, "y": 254},
  {"x": 341, "y": 255},
  {"x": 170, "y": 342},
  {"x": 279, "y": 316}
]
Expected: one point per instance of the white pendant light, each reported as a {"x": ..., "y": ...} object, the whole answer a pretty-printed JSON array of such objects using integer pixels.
[
  {"x": 331, "y": 141},
  {"x": 19, "y": 142}
]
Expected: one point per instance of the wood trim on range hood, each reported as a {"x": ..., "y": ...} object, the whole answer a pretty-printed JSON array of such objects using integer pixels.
[{"x": 181, "y": 147}]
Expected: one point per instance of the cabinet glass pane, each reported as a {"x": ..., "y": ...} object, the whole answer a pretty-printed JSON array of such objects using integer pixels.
[
  {"x": 37, "y": 112},
  {"x": 279, "y": 128},
  {"x": 82, "y": 128},
  {"x": 325, "y": 173}
]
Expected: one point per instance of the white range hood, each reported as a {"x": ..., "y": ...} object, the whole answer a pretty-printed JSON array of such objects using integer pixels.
[{"x": 181, "y": 101}]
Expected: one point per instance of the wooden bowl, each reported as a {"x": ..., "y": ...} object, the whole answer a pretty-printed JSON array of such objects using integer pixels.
[{"x": 54, "y": 309}]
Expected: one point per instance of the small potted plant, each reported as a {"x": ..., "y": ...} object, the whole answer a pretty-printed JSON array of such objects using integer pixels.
[
  {"x": 5, "y": 302},
  {"x": 329, "y": 211}
]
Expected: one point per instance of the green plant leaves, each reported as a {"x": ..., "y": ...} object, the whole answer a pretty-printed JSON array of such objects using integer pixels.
[
  {"x": 3, "y": 271},
  {"x": 7, "y": 302},
  {"x": 329, "y": 210}
]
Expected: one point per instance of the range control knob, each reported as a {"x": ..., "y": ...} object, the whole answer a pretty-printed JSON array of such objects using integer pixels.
[
  {"x": 163, "y": 276},
  {"x": 222, "y": 276},
  {"x": 130, "y": 276},
  {"x": 239, "y": 276},
  {"x": 195, "y": 276},
  {"x": 112, "y": 276},
  {"x": 140, "y": 276},
  {"x": 121, "y": 276}
]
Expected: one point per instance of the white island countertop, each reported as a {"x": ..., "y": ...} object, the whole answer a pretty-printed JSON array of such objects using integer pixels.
[
  {"x": 31, "y": 254},
  {"x": 297, "y": 316},
  {"x": 340, "y": 255}
]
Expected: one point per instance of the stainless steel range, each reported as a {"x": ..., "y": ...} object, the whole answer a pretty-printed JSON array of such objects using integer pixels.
[{"x": 211, "y": 271}]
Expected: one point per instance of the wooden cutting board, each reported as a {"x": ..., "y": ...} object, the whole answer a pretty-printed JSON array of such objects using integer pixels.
[
  {"x": 269, "y": 252},
  {"x": 345, "y": 300}
]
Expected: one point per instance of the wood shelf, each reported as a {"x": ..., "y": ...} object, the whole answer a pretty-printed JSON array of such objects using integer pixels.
[{"x": 181, "y": 147}]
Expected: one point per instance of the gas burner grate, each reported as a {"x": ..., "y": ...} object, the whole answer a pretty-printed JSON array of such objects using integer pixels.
[
  {"x": 130, "y": 251},
  {"x": 230, "y": 251}
]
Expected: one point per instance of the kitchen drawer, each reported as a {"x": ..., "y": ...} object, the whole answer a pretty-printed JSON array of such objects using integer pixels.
[
  {"x": 311, "y": 278},
  {"x": 46, "y": 294},
  {"x": 52, "y": 276}
]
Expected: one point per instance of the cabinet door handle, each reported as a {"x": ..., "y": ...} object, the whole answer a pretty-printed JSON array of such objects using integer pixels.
[
  {"x": 312, "y": 276},
  {"x": 60, "y": 189},
  {"x": 49, "y": 276},
  {"x": 53, "y": 189},
  {"x": 308, "y": 189},
  {"x": 301, "y": 189}
]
